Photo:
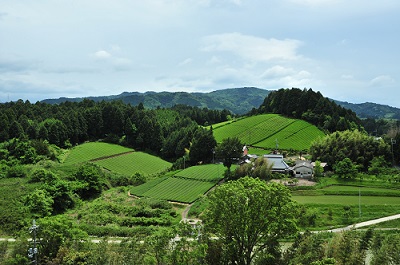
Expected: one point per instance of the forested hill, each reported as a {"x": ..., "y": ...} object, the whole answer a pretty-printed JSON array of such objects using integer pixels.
[
  {"x": 311, "y": 106},
  {"x": 236, "y": 100},
  {"x": 372, "y": 110}
]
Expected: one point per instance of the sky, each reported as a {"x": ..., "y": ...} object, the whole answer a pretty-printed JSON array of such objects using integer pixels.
[{"x": 346, "y": 49}]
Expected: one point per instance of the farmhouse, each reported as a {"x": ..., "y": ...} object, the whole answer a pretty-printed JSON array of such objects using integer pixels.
[
  {"x": 303, "y": 169},
  {"x": 278, "y": 165}
]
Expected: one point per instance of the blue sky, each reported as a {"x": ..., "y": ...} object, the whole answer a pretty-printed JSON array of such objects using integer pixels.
[{"x": 347, "y": 50}]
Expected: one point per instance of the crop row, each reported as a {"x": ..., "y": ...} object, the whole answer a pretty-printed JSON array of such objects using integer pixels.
[
  {"x": 177, "y": 189},
  {"x": 89, "y": 151},
  {"x": 128, "y": 164},
  {"x": 211, "y": 172},
  {"x": 268, "y": 129}
]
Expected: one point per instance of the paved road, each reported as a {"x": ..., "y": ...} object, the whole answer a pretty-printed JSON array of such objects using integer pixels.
[{"x": 366, "y": 223}]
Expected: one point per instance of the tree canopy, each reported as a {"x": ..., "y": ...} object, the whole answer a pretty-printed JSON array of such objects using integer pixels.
[
  {"x": 249, "y": 216},
  {"x": 312, "y": 107},
  {"x": 354, "y": 145}
]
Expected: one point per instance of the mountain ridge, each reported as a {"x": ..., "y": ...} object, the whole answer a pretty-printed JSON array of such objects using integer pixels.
[{"x": 237, "y": 100}]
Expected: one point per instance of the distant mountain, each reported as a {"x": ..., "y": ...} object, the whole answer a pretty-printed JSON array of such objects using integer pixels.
[
  {"x": 236, "y": 100},
  {"x": 372, "y": 110}
]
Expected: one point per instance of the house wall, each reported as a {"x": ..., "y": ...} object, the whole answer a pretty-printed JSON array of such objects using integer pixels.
[{"x": 303, "y": 172}]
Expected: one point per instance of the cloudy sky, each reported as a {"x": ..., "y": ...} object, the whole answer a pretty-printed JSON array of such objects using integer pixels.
[{"x": 347, "y": 49}]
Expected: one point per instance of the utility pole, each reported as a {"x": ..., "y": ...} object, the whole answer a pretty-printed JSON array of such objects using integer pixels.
[
  {"x": 33, "y": 252},
  {"x": 392, "y": 141},
  {"x": 359, "y": 203}
]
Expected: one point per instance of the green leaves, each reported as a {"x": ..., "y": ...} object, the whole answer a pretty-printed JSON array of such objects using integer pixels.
[{"x": 248, "y": 214}]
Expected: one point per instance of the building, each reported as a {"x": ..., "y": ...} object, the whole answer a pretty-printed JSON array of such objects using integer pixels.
[
  {"x": 278, "y": 165},
  {"x": 303, "y": 169}
]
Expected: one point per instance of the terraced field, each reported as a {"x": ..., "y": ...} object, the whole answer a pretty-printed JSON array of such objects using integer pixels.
[{"x": 267, "y": 130}]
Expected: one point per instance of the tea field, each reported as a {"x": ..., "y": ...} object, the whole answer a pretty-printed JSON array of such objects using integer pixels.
[{"x": 267, "y": 130}]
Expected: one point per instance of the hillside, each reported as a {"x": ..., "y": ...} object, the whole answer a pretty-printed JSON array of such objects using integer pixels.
[
  {"x": 236, "y": 100},
  {"x": 267, "y": 130},
  {"x": 372, "y": 110}
]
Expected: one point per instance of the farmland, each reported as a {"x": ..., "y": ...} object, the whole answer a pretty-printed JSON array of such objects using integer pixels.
[
  {"x": 131, "y": 163},
  {"x": 267, "y": 130},
  {"x": 185, "y": 186},
  {"x": 93, "y": 150},
  {"x": 115, "y": 158}
]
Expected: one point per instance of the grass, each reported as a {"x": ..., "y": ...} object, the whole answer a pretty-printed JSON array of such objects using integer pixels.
[
  {"x": 130, "y": 163},
  {"x": 348, "y": 200}
]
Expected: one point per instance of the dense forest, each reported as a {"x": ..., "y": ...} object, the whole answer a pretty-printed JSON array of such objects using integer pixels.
[{"x": 164, "y": 132}]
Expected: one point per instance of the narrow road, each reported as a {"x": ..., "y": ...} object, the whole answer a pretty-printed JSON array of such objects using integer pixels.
[{"x": 363, "y": 224}]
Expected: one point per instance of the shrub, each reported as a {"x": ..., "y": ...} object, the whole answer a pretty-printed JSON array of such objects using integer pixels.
[
  {"x": 42, "y": 175},
  {"x": 17, "y": 171}
]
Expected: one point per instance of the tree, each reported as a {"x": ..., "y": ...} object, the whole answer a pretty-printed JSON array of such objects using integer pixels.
[
  {"x": 355, "y": 145},
  {"x": 90, "y": 181},
  {"x": 318, "y": 170},
  {"x": 249, "y": 216},
  {"x": 202, "y": 146},
  {"x": 39, "y": 203},
  {"x": 346, "y": 248},
  {"x": 345, "y": 169},
  {"x": 377, "y": 165},
  {"x": 386, "y": 250},
  {"x": 230, "y": 150}
]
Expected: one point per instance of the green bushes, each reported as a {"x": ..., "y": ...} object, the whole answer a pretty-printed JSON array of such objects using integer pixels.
[{"x": 17, "y": 171}]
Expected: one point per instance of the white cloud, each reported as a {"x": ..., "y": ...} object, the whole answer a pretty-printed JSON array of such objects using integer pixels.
[
  {"x": 347, "y": 77},
  {"x": 253, "y": 48},
  {"x": 277, "y": 71},
  {"x": 185, "y": 62},
  {"x": 315, "y": 3},
  {"x": 118, "y": 63},
  {"x": 102, "y": 54},
  {"x": 382, "y": 80}
]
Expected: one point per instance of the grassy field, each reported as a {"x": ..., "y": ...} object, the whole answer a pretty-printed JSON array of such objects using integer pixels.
[
  {"x": 93, "y": 150},
  {"x": 130, "y": 163},
  {"x": 348, "y": 200},
  {"x": 266, "y": 130}
]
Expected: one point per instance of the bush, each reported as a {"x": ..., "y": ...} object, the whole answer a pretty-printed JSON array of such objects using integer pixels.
[
  {"x": 16, "y": 171},
  {"x": 42, "y": 175}
]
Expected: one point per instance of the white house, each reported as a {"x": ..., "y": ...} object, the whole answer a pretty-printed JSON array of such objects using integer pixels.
[{"x": 303, "y": 169}]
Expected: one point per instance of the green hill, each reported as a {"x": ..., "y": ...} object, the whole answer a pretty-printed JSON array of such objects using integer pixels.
[{"x": 267, "y": 130}]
